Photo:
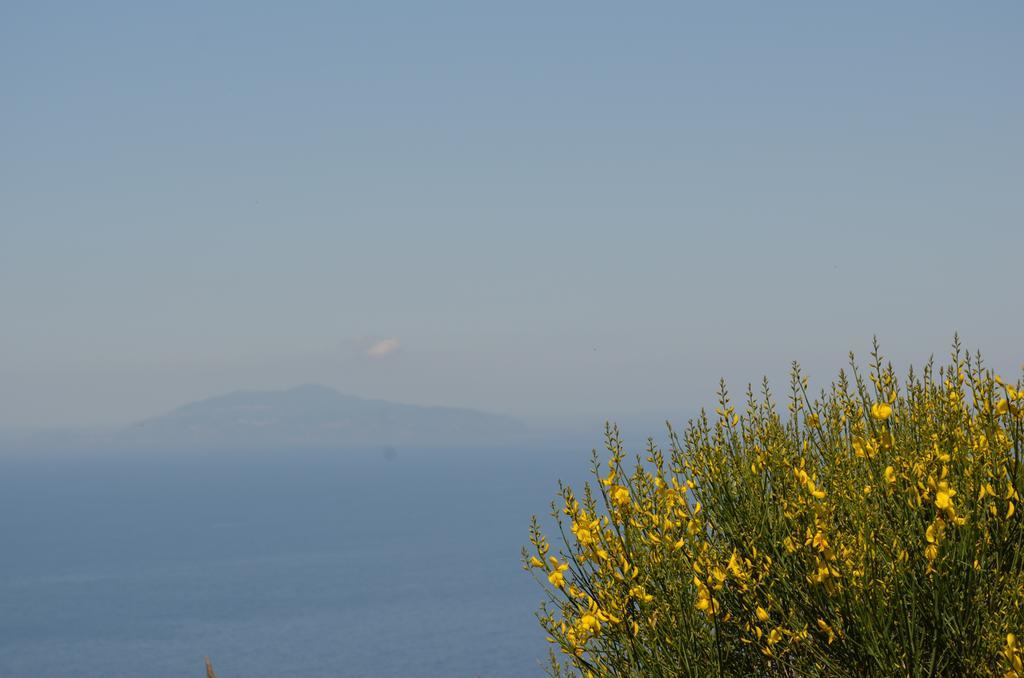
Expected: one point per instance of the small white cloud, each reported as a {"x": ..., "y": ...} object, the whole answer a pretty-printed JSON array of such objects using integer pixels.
[{"x": 382, "y": 348}]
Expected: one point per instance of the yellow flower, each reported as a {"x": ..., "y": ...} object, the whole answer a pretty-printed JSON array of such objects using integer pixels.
[
  {"x": 827, "y": 629},
  {"x": 1012, "y": 654},
  {"x": 944, "y": 496},
  {"x": 864, "y": 448},
  {"x": 640, "y": 594},
  {"x": 536, "y": 562},
  {"x": 934, "y": 533},
  {"x": 590, "y": 623},
  {"x": 762, "y": 614},
  {"x": 707, "y": 604},
  {"x": 890, "y": 474},
  {"x": 881, "y": 411},
  {"x": 556, "y": 577},
  {"x": 584, "y": 530},
  {"x": 620, "y": 496},
  {"x": 812, "y": 420},
  {"x": 813, "y": 489}
]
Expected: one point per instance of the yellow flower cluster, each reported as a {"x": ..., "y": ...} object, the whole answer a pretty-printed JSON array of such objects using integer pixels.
[{"x": 872, "y": 528}]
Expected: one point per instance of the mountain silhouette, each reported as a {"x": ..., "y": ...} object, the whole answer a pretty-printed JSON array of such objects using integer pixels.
[{"x": 316, "y": 416}]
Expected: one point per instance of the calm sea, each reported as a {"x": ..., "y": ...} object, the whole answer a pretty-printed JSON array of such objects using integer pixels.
[{"x": 291, "y": 564}]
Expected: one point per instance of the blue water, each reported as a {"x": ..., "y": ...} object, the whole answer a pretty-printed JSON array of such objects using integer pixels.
[{"x": 291, "y": 564}]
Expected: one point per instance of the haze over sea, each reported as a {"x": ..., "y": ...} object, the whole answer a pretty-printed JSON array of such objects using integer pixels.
[
  {"x": 309, "y": 563},
  {"x": 452, "y": 222}
]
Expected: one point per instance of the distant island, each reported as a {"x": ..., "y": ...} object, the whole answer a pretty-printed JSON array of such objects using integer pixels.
[{"x": 309, "y": 416}]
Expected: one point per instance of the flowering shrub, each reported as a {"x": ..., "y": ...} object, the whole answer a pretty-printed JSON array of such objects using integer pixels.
[{"x": 873, "y": 529}]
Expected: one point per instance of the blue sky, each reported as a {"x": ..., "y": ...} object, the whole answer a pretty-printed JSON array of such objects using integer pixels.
[{"x": 563, "y": 211}]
